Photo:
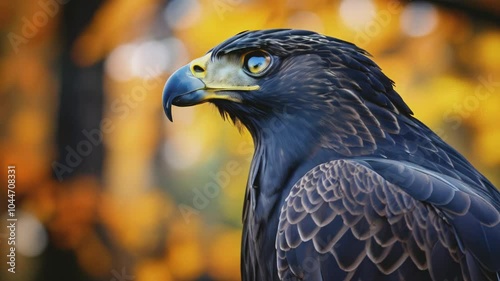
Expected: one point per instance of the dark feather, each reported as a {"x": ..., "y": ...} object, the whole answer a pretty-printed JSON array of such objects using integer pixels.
[
  {"x": 345, "y": 184},
  {"x": 392, "y": 240}
]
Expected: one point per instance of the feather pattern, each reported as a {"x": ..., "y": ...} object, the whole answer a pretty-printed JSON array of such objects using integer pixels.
[
  {"x": 361, "y": 220},
  {"x": 345, "y": 184}
]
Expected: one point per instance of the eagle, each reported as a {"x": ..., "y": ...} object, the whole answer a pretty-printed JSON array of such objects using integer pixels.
[{"x": 345, "y": 184}]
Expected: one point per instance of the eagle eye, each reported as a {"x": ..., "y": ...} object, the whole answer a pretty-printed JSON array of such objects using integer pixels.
[{"x": 256, "y": 63}]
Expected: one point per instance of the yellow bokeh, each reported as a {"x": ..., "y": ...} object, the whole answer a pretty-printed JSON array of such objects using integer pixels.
[{"x": 140, "y": 203}]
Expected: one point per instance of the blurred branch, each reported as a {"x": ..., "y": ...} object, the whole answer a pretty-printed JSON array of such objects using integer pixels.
[{"x": 481, "y": 11}]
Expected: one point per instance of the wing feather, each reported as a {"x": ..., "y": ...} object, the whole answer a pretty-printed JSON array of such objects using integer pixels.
[{"x": 366, "y": 220}]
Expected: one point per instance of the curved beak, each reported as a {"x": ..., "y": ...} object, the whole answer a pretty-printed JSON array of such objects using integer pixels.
[
  {"x": 186, "y": 88},
  {"x": 182, "y": 89}
]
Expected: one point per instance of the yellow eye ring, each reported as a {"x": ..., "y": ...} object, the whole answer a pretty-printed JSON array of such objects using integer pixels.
[{"x": 256, "y": 63}]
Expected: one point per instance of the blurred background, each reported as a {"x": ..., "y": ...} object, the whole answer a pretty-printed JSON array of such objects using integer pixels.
[{"x": 107, "y": 189}]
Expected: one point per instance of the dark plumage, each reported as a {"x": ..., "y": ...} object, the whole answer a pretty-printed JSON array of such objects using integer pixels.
[{"x": 345, "y": 184}]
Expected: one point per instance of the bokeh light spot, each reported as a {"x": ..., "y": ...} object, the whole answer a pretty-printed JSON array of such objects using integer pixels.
[
  {"x": 357, "y": 13},
  {"x": 150, "y": 58},
  {"x": 31, "y": 235},
  {"x": 145, "y": 59},
  {"x": 181, "y": 14},
  {"x": 306, "y": 20},
  {"x": 117, "y": 63},
  {"x": 419, "y": 19}
]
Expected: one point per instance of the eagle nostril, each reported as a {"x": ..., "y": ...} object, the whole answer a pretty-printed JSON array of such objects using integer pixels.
[{"x": 198, "y": 68}]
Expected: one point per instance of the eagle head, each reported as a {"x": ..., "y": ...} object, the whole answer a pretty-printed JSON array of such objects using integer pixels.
[{"x": 295, "y": 78}]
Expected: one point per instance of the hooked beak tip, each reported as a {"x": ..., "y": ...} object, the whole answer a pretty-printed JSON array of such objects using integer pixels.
[{"x": 180, "y": 83}]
